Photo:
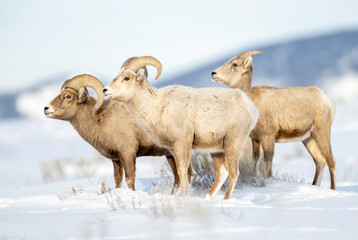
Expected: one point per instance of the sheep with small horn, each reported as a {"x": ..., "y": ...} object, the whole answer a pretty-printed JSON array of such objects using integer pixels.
[
  {"x": 180, "y": 118},
  {"x": 107, "y": 126},
  {"x": 286, "y": 114}
]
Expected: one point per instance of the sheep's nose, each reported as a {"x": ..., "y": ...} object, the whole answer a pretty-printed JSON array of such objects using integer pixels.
[
  {"x": 105, "y": 90},
  {"x": 213, "y": 73}
]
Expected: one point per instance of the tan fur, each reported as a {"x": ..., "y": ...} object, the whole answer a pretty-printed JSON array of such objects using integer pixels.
[
  {"x": 180, "y": 118},
  {"x": 286, "y": 114},
  {"x": 113, "y": 132}
]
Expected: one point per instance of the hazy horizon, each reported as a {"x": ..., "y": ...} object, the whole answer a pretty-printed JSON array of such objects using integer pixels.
[{"x": 45, "y": 39}]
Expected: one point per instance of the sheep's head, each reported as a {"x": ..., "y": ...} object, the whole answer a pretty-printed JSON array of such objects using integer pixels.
[
  {"x": 232, "y": 71},
  {"x": 73, "y": 94},
  {"x": 132, "y": 75}
]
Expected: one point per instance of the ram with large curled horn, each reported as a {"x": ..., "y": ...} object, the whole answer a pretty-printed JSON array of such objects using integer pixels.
[
  {"x": 180, "y": 118},
  {"x": 286, "y": 115},
  {"x": 135, "y": 63},
  {"x": 86, "y": 80},
  {"x": 107, "y": 126}
]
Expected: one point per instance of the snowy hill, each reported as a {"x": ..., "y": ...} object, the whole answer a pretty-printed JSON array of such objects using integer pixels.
[
  {"x": 281, "y": 210},
  {"x": 54, "y": 185},
  {"x": 8, "y": 106},
  {"x": 297, "y": 63}
]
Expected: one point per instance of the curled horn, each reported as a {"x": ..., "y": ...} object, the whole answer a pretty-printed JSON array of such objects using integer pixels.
[
  {"x": 249, "y": 53},
  {"x": 128, "y": 61},
  {"x": 132, "y": 59},
  {"x": 136, "y": 63},
  {"x": 86, "y": 80}
]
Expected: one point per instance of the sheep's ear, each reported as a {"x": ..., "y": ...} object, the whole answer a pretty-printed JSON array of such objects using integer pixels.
[
  {"x": 82, "y": 95},
  {"x": 248, "y": 62},
  {"x": 140, "y": 75}
]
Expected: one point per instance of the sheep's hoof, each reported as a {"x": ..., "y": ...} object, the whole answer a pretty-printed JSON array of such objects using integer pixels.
[
  {"x": 183, "y": 194},
  {"x": 208, "y": 197},
  {"x": 175, "y": 190},
  {"x": 226, "y": 197}
]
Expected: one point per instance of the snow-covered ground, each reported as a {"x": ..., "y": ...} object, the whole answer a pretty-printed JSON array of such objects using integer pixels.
[{"x": 51, "y": 185}]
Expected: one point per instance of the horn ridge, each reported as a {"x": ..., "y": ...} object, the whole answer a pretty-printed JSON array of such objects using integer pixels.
[
  {"x": 86, "y": 80},
  {"x": 136, "y": 63},
  {"x": 249, "y": 53}
]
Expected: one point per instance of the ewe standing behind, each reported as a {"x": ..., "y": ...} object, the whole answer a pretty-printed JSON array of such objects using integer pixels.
[
  {"x": 178, "y": 118},
  {"x": 108, "y": 127},
  {"x": 286, "y": 114}
]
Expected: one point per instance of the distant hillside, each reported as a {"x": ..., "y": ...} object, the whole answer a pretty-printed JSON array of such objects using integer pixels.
[
  {"x": 7, "y": 106},
  {"x": 297, "y": 63},
  {"x": 303, "y": 62}
]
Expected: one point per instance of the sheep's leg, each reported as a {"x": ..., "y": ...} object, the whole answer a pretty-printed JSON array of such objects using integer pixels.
[
  {"x": 255, "y": 155},
  {"x": 129, "y": 168},
  {"x": 268, "y": 146},
  {"x": 172, "y": 165},
  {"x": 190, "y": 173},
  {"x": 117, "y": 173},
  {"x": 181, "y": 155},
  {"x": 322, "y": 139},
  {"x": 320, "y": 161},
  {"x": 255, "y": 150},
  {"x": 222, "y": 173},
  {"x": 233, "y": 152}
]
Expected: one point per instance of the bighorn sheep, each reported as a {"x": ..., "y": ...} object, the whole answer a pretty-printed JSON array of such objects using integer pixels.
[
  {"x": 108, "y": 127},
  {"x": 286, "y": 114},
  {"x": 178, "y": 118}
]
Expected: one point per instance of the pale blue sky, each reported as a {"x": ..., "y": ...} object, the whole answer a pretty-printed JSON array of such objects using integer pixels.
[{"x": 41, "y": 39}]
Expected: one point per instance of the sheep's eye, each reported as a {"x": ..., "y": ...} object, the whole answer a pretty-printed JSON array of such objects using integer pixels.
[
  {"x": 126, "y": 78},
  {"x": 234, "y": 65},
  {"x": 68, "y": 96}
]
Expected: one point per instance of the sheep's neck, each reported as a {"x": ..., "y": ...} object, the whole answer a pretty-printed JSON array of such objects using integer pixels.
[
  {"x": 244, "y": 83},
  {"x": 85, "y": 123},
  {"x": 143, "y": 107}
]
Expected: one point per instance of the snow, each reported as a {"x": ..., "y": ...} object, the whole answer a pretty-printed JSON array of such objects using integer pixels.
[
  {"x": 343, "y": 88},
  {"x": 280, "y": 210},
  {"x": 29, "y": 103},
  {"x": 50, "y": 188}
]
